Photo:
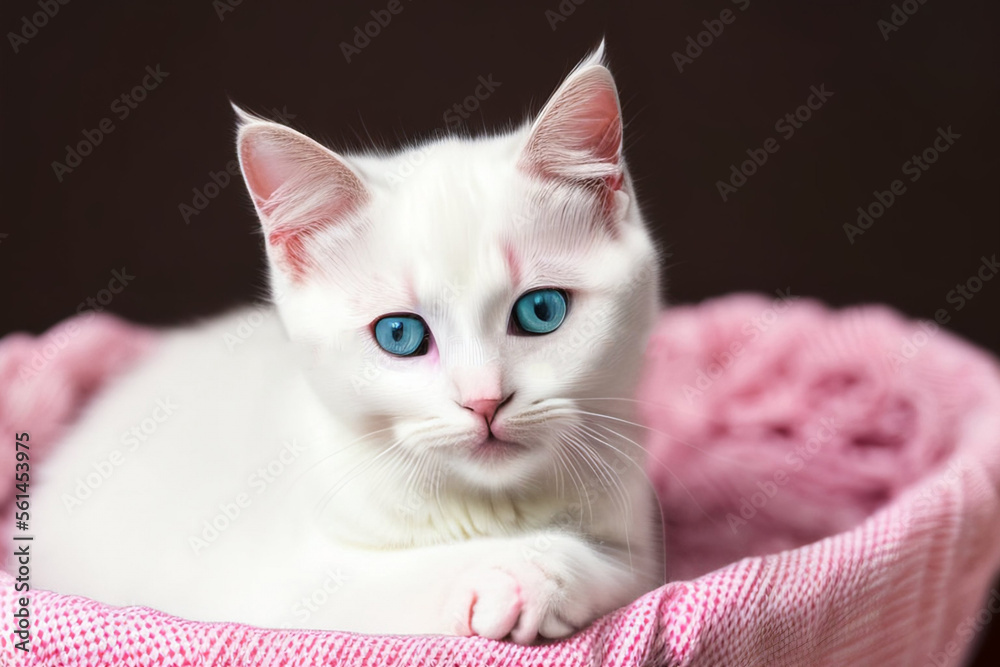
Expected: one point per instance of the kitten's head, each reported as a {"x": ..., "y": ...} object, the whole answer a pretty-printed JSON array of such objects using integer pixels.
[{"x": 469, "y": 296}]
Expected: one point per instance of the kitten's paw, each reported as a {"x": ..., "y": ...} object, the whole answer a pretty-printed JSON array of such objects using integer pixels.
[{"x": 520, "y": 601}]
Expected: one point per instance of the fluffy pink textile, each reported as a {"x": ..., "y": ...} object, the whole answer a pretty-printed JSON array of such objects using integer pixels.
[
  {"x": 830, "y": 482},
  {"x": 45, "y": 381}
]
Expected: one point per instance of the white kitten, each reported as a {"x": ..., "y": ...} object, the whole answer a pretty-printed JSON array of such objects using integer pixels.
[{"x": 429, "y": 433}]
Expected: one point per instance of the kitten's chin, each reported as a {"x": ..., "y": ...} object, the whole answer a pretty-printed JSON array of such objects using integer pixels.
[
  {"x": 495, "y": 463},
  {"x": 493, "y": 449}
]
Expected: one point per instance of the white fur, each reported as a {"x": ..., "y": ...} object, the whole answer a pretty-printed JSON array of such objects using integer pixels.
[{"x": 382, "y": 518}]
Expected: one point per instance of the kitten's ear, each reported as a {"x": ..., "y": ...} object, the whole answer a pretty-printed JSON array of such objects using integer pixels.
[
  {"x": 578, "y": 135},
  {"x": 298, "y": 188}
]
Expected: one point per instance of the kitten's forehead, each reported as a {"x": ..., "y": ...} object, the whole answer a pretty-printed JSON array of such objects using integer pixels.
[
  {"x": 444, "y": 212},
  {"x": 448, "y": 189},
  {"x": 441, "y": 291}
]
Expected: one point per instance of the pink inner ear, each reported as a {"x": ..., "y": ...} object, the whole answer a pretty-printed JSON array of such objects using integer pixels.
[
  {"x": 298, "y": 188},
  {"x": 578, "y": 135},
  {"x": 265, "y": 164},
  {"x": 593, "y": 121}
]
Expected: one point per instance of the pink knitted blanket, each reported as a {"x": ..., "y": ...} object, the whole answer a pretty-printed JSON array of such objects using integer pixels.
[{"x": 830, "y": 482}]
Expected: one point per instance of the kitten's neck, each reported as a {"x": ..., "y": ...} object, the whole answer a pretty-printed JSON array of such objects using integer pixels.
[{"x": 400, "y": 511}]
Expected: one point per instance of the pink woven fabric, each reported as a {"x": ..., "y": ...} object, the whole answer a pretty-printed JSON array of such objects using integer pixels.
[{"x": 830, "y": 485}]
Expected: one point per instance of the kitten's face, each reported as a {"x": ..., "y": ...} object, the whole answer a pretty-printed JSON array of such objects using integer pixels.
[{"x": 475, "y": 306}]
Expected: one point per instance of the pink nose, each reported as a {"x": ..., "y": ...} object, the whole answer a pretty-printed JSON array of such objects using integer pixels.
[{"x": 487, "y": 407}]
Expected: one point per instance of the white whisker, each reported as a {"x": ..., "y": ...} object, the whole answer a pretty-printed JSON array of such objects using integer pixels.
[
  {"x": 706, "y": 452},
  {"x": 664, "y": 465}
]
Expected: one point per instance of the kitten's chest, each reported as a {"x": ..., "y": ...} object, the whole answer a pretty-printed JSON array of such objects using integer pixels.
[
  {"x": 415, "y": 520},
  {"x": 464, "y": 517}
]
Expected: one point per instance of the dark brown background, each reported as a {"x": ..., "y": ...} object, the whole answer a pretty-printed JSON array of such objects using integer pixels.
[{"x": 783, "y": 229}]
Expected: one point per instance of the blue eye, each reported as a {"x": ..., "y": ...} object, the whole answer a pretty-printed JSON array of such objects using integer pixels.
[
  {"x": 541, "y": 311},
  {"x": 402, "y": 335}
]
